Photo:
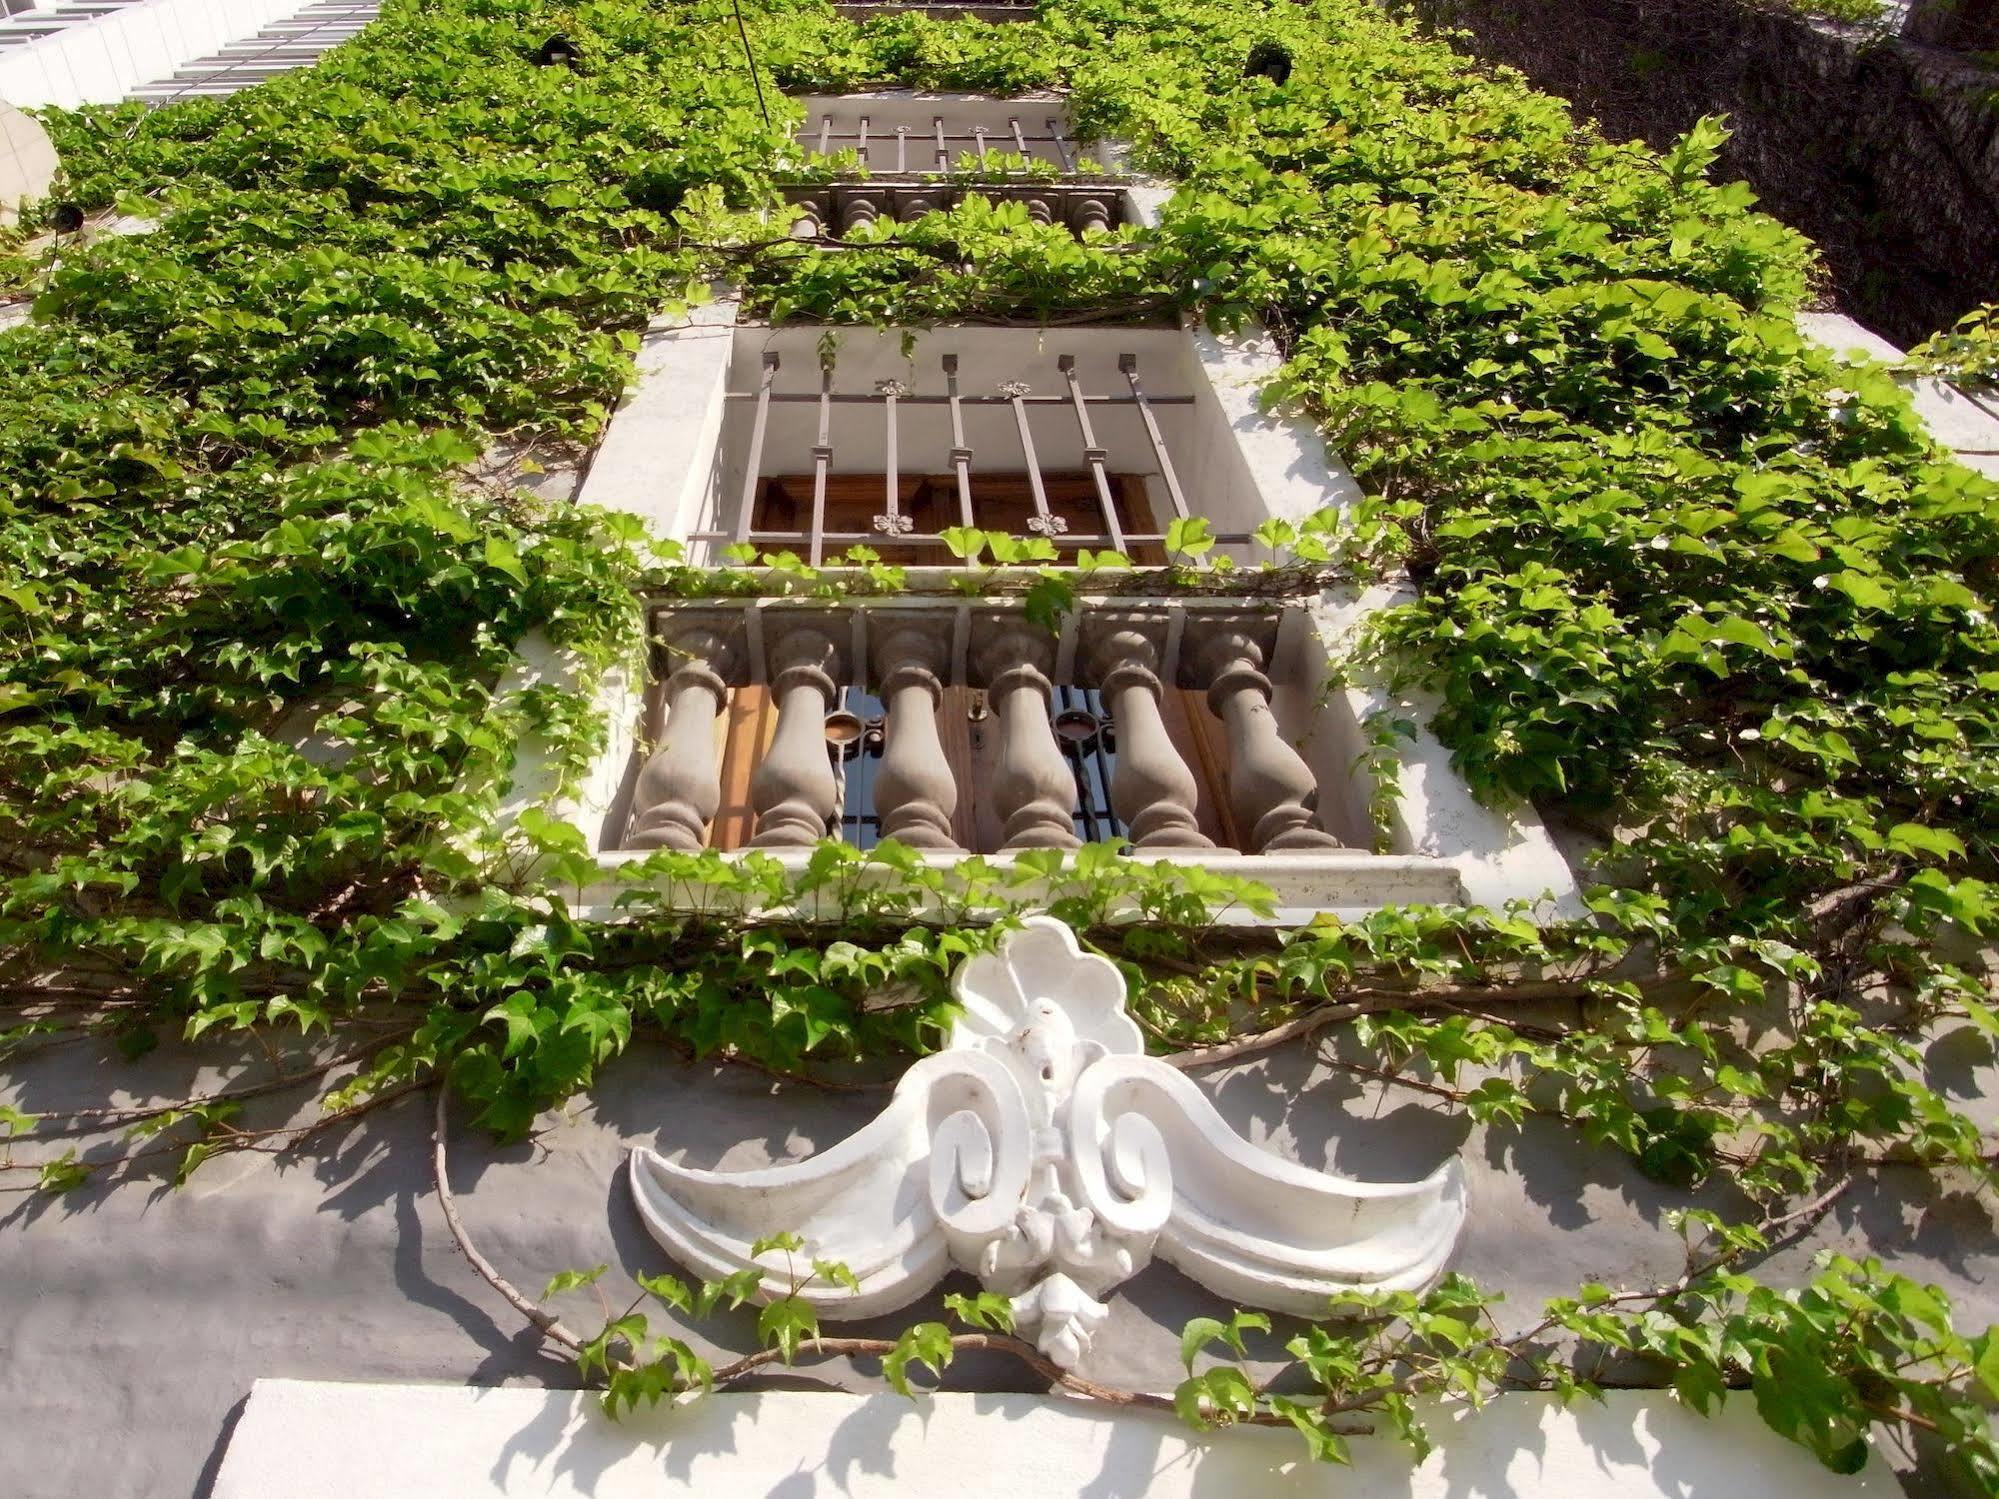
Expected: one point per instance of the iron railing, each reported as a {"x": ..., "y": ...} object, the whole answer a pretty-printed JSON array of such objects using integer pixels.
[
  {"x": 884, "y": 404},
  {"x": 905, "y": 149}
]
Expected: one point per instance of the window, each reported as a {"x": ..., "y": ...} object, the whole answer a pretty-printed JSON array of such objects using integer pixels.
[
  {"x": 897, "y": 132},
  {"x": 1093, "y": 439},
  {"x": 901, "y": 143},
  {"x": 1142, "y": 720}
]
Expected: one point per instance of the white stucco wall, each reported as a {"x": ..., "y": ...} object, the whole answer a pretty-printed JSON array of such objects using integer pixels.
[
  {"x": 27, "y": 161},
  {"x": 372, "y": 1441},
  {"x": 100, "y": 61}
]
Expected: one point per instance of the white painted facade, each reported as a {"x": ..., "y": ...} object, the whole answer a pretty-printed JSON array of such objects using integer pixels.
[
  {"x": 27, "y": 162},
  {"x": 102, "y": 58},
  {"x": 307, "y": 1440}
]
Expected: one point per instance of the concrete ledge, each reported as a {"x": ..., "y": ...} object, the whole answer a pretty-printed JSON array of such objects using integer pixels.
[
  {"x": 1969, "y": 428},
  {"x": 27, "y": 162},
  {"x": 304, "y": 1440},
  {"x": 1348, "y": 883}
]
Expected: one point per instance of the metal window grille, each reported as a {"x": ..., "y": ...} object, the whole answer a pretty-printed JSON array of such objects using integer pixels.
[
  {"x": 837, "y": 409},
  {"x": 907, "y": 148},
  {"x": 856, "y": 734},
  {"x": 998, "y": 10}
]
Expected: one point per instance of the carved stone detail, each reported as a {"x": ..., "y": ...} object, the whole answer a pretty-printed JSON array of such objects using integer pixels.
[
  {"x": 1034, "y": 788},
  {"x": 915, "y": 792},
  {"x": 793, "y": 789},
  {"x": 1045, "y": 1153},
  {"x": 1152, "y": 789}
]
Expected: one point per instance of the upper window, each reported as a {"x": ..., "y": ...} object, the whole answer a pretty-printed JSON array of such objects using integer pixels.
[
  {"x": 1085, "y": 438},
  {"x": 904, "y": 133}
]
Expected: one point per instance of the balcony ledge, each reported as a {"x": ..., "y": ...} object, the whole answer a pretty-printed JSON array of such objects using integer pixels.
[{"x": 1346, "y": 883}]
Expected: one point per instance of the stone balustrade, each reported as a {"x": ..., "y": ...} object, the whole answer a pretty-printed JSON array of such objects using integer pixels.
[
  {"x": 834, "y": 210},
  {"x": 909, "y": 655}
]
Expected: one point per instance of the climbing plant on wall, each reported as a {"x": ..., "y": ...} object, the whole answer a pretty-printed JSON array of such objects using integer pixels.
[{"x": 1715, "y": 603}]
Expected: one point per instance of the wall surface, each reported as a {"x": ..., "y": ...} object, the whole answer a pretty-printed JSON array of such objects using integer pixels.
[
  {"x": 27, "y": 161},
  {"x": 333, "y": 1441},
  {"x": 99, "y": 61},
  {"x": 133, "y": 1308},
  {"x": 1884, "y": 152}
]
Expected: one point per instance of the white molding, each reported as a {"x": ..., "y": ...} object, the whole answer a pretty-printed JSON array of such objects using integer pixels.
[
  {"x": 27, "y": 162},
  {"x": 100, "y": 61},
  {"x": 658, "y": 452},
  {"x": 1501, "y": 854},
  {"x": 1969, "y": 428},
  {"x": 320, "y": 1440},
  {"x": 536, "y": 779},
  {"x": 1045, "y": 1153}
]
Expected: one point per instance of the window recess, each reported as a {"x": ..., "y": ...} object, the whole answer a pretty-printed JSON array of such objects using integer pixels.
[
  {"x": 1085, "y": 442},
  {"x": 900, "y": 133}
]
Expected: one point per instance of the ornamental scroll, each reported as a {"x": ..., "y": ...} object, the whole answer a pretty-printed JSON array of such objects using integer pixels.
[{"x": 1046, "y": 1154}]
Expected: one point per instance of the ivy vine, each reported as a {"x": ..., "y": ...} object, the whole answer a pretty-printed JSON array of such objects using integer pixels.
[{"x": 1716, "y": 603}]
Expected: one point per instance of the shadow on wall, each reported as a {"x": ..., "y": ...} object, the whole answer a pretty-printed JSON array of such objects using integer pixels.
[
  {"x": 1634, "y": 1445},
  {"x": 332, "y": 1262}
]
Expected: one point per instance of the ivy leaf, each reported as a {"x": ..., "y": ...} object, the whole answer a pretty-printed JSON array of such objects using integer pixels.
[
  {"x": 988, "y": 1310},
  {"x": 570, "y": 1280},
  {"x": 1325, "y": 1444},
  {"x": 1190, "y": 536},
  {"x": 927, "y": 1343},
  {"x": 64, "y": 1174},
  {"x": 785, "y": 1323},
  {"x": 500, "y": 555}
]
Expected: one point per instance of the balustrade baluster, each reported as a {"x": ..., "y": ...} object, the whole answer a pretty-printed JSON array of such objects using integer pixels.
[
  {"x": 793, "y": 789},
  {"x": 1033, "y": 789},
  {"x": 679, "y": 788},
  {"x": 915, "y": 792},
  {"x": 1152, "y": 790},
  {"x": 1270, "y": 786}
]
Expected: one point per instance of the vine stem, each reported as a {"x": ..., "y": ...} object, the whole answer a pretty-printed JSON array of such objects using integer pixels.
[
  {"x": 1307, "y": 1024},
  {"x": 545, "y": 1322}
]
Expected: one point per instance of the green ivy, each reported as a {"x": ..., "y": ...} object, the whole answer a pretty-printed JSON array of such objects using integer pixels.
[{"x": 1713, "y": 600}]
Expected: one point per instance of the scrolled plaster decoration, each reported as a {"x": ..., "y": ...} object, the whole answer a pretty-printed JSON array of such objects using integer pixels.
[{"x": 1046, "y": 1154}]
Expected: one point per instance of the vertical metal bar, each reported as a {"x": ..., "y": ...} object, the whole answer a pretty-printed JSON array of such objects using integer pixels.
[
  {"x": 822, "y": 458},
  {"x": 890, "y": 522},
  {"x": 961, "y": 454},
  {"x": 979, "y": 139},
  {"x": 753, "y": 468},
  {"x": 1061, "y": 145},
  {"x": 1042, "y": 522},
  {"x": 1019, "y": 135},
  {"x": 1128, "y": 363},
  {"x": 943, "y": 151},
  {"x": 825, "y": 134},
  {"x": 902, "y": 148},
  {"x": 1092, "y": 454},
  {"x": 861, "y": 148}
]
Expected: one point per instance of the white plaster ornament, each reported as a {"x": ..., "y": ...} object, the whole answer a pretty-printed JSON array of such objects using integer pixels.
[{"x": 1046, "y": 1154}]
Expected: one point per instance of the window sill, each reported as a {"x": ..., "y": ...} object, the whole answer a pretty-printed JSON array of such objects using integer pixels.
[{"x": 1347, "y": 883}]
